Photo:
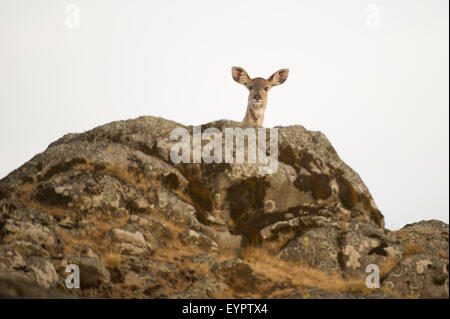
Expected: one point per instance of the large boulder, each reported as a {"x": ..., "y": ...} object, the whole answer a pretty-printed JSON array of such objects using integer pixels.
[{"x": 111, "y": 201}]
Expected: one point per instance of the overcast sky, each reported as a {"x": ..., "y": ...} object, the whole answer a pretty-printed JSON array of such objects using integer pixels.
[{"x": 371, "y": 75}]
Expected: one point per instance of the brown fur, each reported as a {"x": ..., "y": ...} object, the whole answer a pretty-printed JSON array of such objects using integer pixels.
[{"x": 258, "y": 89}]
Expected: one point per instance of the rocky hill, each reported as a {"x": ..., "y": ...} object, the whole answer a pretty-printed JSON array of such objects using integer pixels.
[{"x": 111, "y": 201}]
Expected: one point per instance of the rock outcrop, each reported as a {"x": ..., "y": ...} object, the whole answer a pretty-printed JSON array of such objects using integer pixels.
[{"x": 112, "y": 202}]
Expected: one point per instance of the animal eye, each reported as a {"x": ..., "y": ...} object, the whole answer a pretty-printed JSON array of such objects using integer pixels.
[
  {"x": 266, "y": 88},
  {"x": 250, "y": 87}
]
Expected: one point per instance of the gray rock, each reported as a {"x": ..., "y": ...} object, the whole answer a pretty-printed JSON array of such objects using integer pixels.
[
  {"x": 205, "y": 287},
  {"x": 21, "y": 223},
  {"x": 191, "y": 237},
  {"x": 142, "y": 280},
  {"x": 128, "y": 242},
  {"x": 236, "y": 273},
  {"x": 113, "y": 194},
  {"x": 430, "y": 236},
  {"x": 42, "y": 271},
  {"x": 203, "y": 259},
  {"x": 317, "y": 248},
  {"x": 364, "y": 244},
  {"x": 422, "y": 275},
  {"x": 14, "y": 286},
  {"x": 93, "y": 273},
  {"x": 155, "y": 231}
]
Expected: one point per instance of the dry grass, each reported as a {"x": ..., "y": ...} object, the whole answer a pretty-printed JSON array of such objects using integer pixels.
[
  {"x": 112, "y": 260},
  {"x": 388, "y": 265},
  {"x": 55, "y": 211},
  {"x": 24, "y": 190},
  {"x": 278, "y": 271},
  {"x": 412, "y": 249},
  {"x": 226, "y": 253},
  {"x": 134, "y": 177},
  {"x": 24, "y": 196},
  {"x": 95, "y": 239},
  {"x": 273, "y": 271},
  {"x": 443, "y": 254},
  {"x": 275, "y": 245},
  {"x": 72, "y": 245}
]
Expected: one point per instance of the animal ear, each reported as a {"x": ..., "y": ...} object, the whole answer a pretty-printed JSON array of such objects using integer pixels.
[
  {"x": 240, "y": 76},
  {"x": 278, "y": 77}
]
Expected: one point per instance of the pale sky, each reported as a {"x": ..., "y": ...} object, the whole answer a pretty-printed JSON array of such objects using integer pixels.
[{"x": 371, "y": 75}]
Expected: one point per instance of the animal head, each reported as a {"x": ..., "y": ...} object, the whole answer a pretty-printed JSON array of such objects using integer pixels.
[{"x": 258, "y": 87}]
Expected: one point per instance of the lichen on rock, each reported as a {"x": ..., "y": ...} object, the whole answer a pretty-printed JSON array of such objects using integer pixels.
[{"x": 111, "y": 201}]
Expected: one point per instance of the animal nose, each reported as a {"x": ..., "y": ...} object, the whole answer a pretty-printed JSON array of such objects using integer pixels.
[{"x": 257, "y": 96}]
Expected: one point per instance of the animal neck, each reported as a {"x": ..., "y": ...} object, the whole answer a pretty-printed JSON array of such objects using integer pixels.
[{"x": 254, "y": 115}]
